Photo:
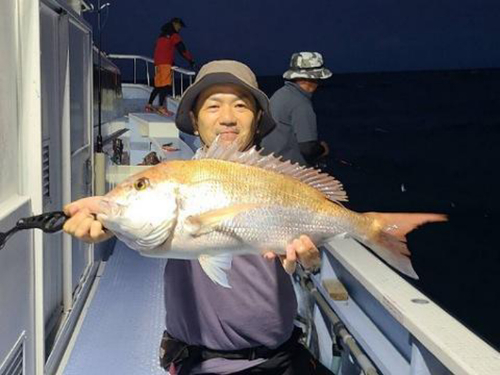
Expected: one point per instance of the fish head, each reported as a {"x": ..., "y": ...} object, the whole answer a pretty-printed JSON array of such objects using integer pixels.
[{"x": 141, "y": 211}]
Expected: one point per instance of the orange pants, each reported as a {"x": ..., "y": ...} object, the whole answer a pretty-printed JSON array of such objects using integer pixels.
[{"x": 163, "y": 75}]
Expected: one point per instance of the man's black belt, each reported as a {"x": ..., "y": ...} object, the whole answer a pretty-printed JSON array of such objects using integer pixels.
[{"x": 179, "y": 353}]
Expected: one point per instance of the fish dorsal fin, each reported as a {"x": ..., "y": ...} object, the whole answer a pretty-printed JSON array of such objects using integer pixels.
[{"x": 330, "y": 187}]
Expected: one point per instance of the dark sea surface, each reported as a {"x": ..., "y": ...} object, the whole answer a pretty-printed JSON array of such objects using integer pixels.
[{"x": 425, "y": 142}]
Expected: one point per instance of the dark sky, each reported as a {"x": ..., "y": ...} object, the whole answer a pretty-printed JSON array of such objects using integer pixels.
[{"x": 353, "y": 35}]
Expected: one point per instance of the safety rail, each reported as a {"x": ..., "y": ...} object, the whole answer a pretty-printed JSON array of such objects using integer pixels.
[
  {"x": 149, "y": 61},
  {"x": 183, "y": 72}
]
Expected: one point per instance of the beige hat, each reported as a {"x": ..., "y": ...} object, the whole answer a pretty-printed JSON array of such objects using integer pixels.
[{"x": 220, "y": 72}]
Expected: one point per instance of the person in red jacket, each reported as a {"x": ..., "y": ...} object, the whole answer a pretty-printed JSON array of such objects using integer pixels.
[{"x": 166, "y": 44}]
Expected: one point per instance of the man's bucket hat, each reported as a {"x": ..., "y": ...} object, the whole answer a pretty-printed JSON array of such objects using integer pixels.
[
  {"x": 221, "y": 72},
  {"x": 307, "y": 65}
]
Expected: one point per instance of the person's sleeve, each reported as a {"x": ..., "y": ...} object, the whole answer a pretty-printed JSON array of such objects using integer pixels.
[
  {"x": 181, "y": 48},
  {"x": 304, "y": 123},
  {"x": 306, "y": 132},
  {"x": 311, "y": 151}
]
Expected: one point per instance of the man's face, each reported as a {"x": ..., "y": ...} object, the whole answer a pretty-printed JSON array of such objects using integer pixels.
[
  {"x": 309, "y": 85},
  {"x": 314, "y": 83},
  {"x": 227, "y": 111}
]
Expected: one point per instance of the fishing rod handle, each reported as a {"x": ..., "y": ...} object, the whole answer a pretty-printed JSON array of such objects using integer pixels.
[{"x": 49, "y": 222}]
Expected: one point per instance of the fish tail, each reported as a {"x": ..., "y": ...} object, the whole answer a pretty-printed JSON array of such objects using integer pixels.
[{"x": 387, "y": 236}]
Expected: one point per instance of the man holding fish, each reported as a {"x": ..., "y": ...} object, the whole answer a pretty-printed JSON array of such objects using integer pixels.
[
  {"x": 252, "y": 321},
  {"x": 235, "y": 313}
]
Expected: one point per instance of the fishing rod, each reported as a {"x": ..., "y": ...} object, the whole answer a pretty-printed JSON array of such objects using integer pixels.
[
  {"x": 341, "y": 337},
  {"x": 49, "y": 222}
]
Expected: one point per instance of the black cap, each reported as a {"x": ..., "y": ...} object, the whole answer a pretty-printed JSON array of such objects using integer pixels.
[{"x": 179, "y": 20}]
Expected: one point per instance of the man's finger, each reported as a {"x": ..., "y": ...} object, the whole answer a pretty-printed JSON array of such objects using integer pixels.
[
  {"x": 306, "y": 241},
  {"x": 290, "y": 261},
  {"x": 269, "y": 255},
  {"x": 73, "y": 223},
  {"x": 91, "y": 204},
  {"x": 96, "y": 230},
  {"x": 70, "y": 209},
  {"x": 308, "y": 253},
  {"x": 84, "y": 228}
]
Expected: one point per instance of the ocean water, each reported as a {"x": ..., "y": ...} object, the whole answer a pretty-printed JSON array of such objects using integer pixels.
[{"x": 425, "y": 142}]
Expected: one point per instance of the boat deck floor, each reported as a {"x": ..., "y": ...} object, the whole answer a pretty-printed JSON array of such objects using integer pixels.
[{"x": 124, "y": 319}]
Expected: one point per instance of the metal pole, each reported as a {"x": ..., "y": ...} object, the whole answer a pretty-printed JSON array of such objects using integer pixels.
[
  {"x": 135, "y": 70},
  {"x": 182, "y": 84},
  {"x": 98, "y": 147},
  {"x": 338, "y": 326},
  {"x": 173, "y": 83}
]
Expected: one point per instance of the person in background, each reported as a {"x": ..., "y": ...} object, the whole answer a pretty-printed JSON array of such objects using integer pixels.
[
  {"x": 296, "y": 135},
  {"x": 248, "y": 328},
  {"x": 166, "y": 44}
]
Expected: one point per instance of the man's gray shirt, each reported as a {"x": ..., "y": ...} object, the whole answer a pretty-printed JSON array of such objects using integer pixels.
[
  {"x": 292, "y": 109},
  {"x": 258, "y": 309}
]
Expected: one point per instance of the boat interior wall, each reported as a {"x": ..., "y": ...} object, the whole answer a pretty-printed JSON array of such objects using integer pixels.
[
  {"x": 18, "y": 85},
  {"x": 385, "y": 311},
  {"x": 45, "y": 157},
  {"x": 16, "y": 286},
  {"x": 52, "y": 64},
  {"x": 9, "y": 167},
  {"x": 60, "y": 28}
]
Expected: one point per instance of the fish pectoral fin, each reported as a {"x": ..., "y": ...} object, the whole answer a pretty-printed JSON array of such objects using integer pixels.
[
  {"x": 207, "y": 222},
  {"x": 215, "y": 266}
]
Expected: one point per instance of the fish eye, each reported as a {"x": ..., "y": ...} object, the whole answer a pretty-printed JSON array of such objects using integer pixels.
[{"x": 141, "y": 184}]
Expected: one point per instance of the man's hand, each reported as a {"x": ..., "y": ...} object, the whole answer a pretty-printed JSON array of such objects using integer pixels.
[
  {"x": 326, "y": 148},
  {"x": 302, "y": 250},
  {"x": 82, "y": 223}
]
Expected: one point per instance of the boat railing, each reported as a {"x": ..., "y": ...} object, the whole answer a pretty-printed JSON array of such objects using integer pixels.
[
  {"x": 148, "y": 62},
  {"x": 183, "y": 73}
]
